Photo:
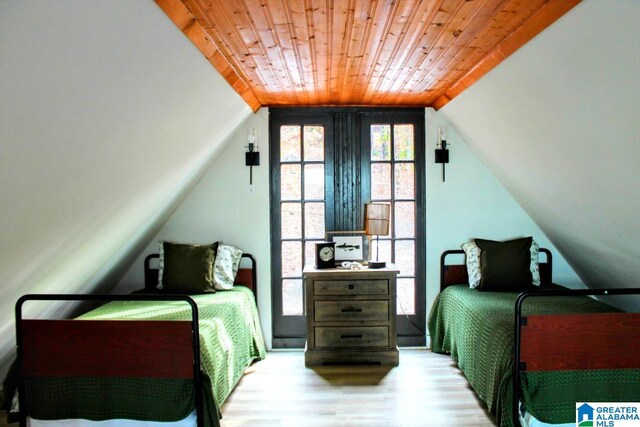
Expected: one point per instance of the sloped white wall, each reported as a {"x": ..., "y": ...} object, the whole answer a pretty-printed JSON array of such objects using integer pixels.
[
  {"x": 472, "y": 203},
  {"x": 221, "y": 207},
  {"x": 558, "y": 123},
  {"x": 108, "y": 115}
]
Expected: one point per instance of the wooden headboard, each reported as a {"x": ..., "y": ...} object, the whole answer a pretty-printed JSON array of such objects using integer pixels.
[
  {"x": 455, "y": 274},
  {"x": 247, "y": 275}
]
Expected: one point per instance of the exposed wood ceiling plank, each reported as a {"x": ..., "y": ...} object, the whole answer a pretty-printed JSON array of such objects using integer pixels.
[
  {"x": 358, "y": 52},
  {"x": 423, "y": 34},
  {"x": 388, "y": 42},
  {"x": 467, "y": 22},
  {"x": 403, "y": 59}
]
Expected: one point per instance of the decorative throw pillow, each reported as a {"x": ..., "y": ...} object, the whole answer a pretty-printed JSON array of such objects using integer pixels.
[
  {"x": 505, "y": 266},
  {"x": 472, "y": 254},
  {"x": 472, "y": 259},
  {"x": 226, "y": 266},
  {"x": 534, "y": 266},
  {"x": 186, "y": 268}
]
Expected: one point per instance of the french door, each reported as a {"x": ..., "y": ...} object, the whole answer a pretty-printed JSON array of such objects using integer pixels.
[{"x": 325, "y": 165}]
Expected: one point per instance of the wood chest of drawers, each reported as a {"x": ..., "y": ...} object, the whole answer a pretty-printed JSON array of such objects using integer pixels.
[{"x": 351, "y": 316}]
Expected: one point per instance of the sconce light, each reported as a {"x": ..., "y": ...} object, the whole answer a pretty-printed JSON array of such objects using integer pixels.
[
  {"x": 442, "y": 153},
  {"x": 252, "y": 156},
  {"x": 376, "y": 223}
]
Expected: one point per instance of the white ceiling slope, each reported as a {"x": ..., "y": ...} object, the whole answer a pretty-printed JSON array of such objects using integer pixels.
[
  {"x": 558, "y": 123},
  {"x": 108, "y": 116}
]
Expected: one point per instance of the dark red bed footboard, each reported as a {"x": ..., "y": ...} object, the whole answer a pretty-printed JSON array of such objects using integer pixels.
[
  {"x": 580, "y": 341},
  {"x": 108, "y": 348},
  {"x": 573, "y": 342}
]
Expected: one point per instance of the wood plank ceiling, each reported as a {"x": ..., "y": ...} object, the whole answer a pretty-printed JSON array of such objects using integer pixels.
[{"x": 358, "y": 52}]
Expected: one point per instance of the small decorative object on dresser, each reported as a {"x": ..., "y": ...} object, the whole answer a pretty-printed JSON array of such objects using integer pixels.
[
  {"x": 350, "y": 245},
  {"x": 351, "y": 316},
  {"x": 325, "y": 255}
]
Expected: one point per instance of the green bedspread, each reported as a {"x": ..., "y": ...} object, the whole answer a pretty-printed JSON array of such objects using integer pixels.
[
  {"x": 230, "y": 339},
  {"x": 477, "y": 329}
]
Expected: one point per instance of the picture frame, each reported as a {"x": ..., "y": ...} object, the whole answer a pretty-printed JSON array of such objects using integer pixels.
[{"x": 350, "y": 245}]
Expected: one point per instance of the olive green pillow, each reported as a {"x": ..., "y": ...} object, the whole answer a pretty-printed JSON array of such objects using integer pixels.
[
  {"x": 186, "y": 269},
  {"x": 505, "y": 266}
]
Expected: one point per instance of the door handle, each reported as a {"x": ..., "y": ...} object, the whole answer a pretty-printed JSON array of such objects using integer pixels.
[{"x": 351, "y": 336}]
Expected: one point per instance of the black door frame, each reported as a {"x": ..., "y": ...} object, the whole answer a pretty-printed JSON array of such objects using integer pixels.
[{"x": 291, "y": 332}]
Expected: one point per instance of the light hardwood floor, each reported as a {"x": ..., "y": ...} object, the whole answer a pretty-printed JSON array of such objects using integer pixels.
[{"x": 426, "y": 389}]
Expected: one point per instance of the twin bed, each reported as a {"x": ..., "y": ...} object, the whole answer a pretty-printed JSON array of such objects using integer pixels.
[
  {"x": 531, "y": 356},
  {"x": 145, "y": 357}
]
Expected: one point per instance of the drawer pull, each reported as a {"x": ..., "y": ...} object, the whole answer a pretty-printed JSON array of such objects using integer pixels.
[
  {"x": 351, "y": 310},
  {"x": 351, "y": 336},
  {"x": 351, "y": 286}
]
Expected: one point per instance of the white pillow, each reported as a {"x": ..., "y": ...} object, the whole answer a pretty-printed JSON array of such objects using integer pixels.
[
  {"x": 225, "y": 267},
  {"x": 535, "y": 268},
  {"x": 472, "y": 254}
]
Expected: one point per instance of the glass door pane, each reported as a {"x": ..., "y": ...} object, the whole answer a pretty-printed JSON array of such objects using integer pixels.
[
  {"x": 302, "y": 149},
  {"x": 396, "y": 154},
  {"x": 299, "y": 157}
]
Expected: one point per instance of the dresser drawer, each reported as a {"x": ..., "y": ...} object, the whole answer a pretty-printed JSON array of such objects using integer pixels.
[
  {"x": 352, "y": 336},
  {"x": 351, "y": 287},
  {"x": 339, "y": 311}
]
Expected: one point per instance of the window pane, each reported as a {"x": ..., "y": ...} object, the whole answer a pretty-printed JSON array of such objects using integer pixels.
[
  {"x": 314, "y": 220},
  {"x": 292, "y": 297},
  {"x": 314, "y": 143},
  {"x": 289, "y": 143},
  {"x": 291, "y": 259},
  {"x": 404, "y": 181},
  {"x": 380, "y": 142},
  {"x": 310, "y": 252},
  {"x": 380, "y": 181},
  {"x": 385, "y": 250},
  {"x": 405, "y": 257},
  {"x": 406, "y": 296},
  {"x": 403, "y": 142},
  {"x": 290, "y": 182},
  {"x": 291, "y": 220},
  {"x": 404, "y": 219},
  {"x": 314, "y": 181}
]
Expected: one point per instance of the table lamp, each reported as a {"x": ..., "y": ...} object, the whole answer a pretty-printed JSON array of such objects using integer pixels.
[{"x": 376, "y": 223}]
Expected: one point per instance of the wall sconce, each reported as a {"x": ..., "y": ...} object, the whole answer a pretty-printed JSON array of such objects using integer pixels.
[
  {"x": 442, "y": 153},
  {"x": 252, "y": 156}
]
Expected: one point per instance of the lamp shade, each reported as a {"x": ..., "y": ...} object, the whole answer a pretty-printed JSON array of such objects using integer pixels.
[{"x": 376, "y": 219}]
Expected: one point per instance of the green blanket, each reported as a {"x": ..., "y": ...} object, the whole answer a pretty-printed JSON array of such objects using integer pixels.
[
  {"x": 230, "y": 339},
  {"x": 477, "y": 329}
]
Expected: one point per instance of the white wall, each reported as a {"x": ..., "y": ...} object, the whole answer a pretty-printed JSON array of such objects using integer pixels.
[
  {"x": 472, "y": 203},
  {"x": 558, "y": 123},
  {"x": 108, "y": 114},
  {"x": 221, "y": 208}
]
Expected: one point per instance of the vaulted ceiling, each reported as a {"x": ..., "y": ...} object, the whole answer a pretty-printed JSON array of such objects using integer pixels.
[{"x": 358, "y": 52}]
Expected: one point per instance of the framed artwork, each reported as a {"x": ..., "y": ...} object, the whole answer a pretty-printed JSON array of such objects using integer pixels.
[{"x": 350, "y": 245}]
